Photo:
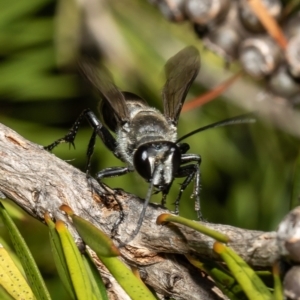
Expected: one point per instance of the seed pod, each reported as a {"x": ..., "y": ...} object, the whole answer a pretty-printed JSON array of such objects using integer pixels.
[
  {"x": 292, "y": 26},
  {"x": 259, "y": 56},
  {"x": 249, "y": 19},
  {"x": 283, "y": 84},
  {"x": 288, "y": 235},
  {"x": 172, "y": 10},
  {"x": 225, "y": 39},
  {"x": 205, "y": 12},
  {"x": 291, "y": 284},
  {"x": 292, "y": 55},
  {"x": 295, "y": 101}
]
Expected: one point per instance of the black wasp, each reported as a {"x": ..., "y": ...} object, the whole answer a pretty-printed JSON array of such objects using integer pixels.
[{"x": 146, "y": 140}]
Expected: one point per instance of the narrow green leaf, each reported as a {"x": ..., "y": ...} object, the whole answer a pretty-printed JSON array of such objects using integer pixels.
[
  {"x": 252, "y": 285},
  {"x": 95, "y": 278},
  {"x": 278, "y": 291},
  {"x": 106, "y": 250},
  {"x": 32, "y": 272},
  {"x": 100, "y": 242},
  {"x": 12, "y": 10},
  {"x": 132, "y": 285},
  {"x": 77, "y": 270},
  {"x": 27, "y": 33},
  {"x": 59, "y": 257},
  {"x": 224, "y": 281},
  {"x": 193, "y": 224},
  {"x": 11, "y": 278}
]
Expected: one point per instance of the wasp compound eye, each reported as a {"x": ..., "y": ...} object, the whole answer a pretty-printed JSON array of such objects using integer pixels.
[{"x": 143, "y": 161}]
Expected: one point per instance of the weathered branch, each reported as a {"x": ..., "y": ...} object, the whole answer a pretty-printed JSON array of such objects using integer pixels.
[{"x": 40, "y": 182}]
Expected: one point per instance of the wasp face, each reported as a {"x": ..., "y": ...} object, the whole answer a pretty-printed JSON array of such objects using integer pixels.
[{"x": 163, "y": 157}]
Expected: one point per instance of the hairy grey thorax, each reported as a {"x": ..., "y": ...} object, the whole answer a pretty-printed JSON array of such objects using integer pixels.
[{"x": 147, "y": 124}]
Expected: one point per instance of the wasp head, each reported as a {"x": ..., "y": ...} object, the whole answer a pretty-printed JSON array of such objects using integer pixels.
[{"x": 163, "y": 157}]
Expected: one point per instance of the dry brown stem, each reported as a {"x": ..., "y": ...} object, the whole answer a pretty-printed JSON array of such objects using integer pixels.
[{"x": 40, "y": 182}]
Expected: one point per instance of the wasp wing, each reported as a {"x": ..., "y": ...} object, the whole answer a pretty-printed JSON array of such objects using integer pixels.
[
  {"x": 181, "y": 70},
  {"x": 102, "y": 80}
]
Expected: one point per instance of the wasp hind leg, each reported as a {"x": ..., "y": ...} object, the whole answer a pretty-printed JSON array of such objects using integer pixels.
[{"x": 98, "y": 130}]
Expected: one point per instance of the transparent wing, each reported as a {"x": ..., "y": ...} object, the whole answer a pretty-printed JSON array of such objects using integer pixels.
[
  {"x": 181, "y": 70},
  {"x": 102, "y": 80}
]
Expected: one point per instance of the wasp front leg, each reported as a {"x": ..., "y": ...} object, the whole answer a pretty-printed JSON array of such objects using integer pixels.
[
  {"x": 113, "y": 172},
  {"x": 191, "y": 172}
]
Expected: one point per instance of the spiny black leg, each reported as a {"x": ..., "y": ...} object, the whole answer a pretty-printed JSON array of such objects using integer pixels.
[
  {"x": 196, "y": 194},
  {"x": 107, "y": 202},
  {"x": 108, "y": 140},
  {"x": 164, "y": 199},
  {"x": 119, "y": 220},
  {"x": 113, "y": 172},
  {"x": 190, "y": 172},
  {"x": 89, "y": 153},
  {"x": 98, "y": 129},
  {"x": 183, "y": 147},
  {"x": 165, "y": 192},
  {"x": 70, "y": 136}
]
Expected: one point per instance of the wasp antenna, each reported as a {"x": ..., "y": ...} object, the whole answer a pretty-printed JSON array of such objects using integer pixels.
[{"x": 242, "y": 119}]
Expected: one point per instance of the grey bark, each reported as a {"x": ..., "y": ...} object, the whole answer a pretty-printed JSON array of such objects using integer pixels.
[{"x": 40, "y": 182}]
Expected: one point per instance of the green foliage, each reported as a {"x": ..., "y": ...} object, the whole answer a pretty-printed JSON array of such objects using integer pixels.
[
  {"x": 30, "y": 268},
  {"x": 77, "y": 271},
  {"x": 83, "y": 281}
]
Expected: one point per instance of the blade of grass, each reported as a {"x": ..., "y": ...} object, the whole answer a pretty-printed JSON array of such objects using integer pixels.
[
  {"x": 11, "y": 278},
  {"x": 252, "y": 285},
  {"x": 79, "y": 276},
  {"x": 132, "y": 285},
  {"x": 95, "y": 278},
  {"x": 193, "y": 224},
  {"x": 32, "y": 272},
  {"x": 59, "y": 258}
]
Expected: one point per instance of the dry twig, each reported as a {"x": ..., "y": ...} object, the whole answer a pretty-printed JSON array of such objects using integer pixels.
[{"x": 40, "y": 182}]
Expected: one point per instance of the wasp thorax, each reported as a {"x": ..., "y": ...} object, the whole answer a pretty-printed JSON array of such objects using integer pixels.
[{"x": 161, "y": 156}]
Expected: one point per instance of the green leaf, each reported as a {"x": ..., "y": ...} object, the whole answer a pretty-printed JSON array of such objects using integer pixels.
[
  {"x": 252, "y": 285},
  {"x": 59, "y": 257},
  {"x": 278, "y": 292},
  {"x": 132, "y": 285},
  {"x": 27, "y": 33},
  {"x": 98, "y": 286},
  {"x": 91, "y": 235},
  {"x": 76, "y": 267},
  {"x": 223, "y": 279},
  {"x": 193, "y": 224},
  {"x": 106, "y": 251},
  {"x": 13, "y": 10},
  {"x": 31, "y": 270},
  {"x": 94, "y": 237},
  {"x": 11, "y": 278}
]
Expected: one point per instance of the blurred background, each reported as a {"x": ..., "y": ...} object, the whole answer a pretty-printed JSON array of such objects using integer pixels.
[{"x": 247, "y": 170}]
